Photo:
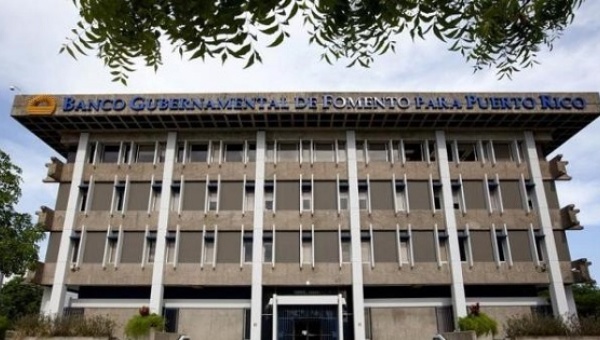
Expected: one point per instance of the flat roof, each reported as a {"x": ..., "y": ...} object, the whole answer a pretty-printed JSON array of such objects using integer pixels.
[{"x": 561, "y": 115}]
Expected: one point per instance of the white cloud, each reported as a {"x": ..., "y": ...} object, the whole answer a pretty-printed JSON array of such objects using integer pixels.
[{"x": 31, "y": 33}]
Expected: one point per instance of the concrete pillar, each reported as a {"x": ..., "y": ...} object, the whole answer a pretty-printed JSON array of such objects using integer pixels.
[
  {"x": 558, "y": 296},
  {"x": 57, "y": 297},
  {"x": 459, "y": 305},
  {"x": 257, "y": 239},
  {"x": 156, "y": 294},
  {"x": 358, "y": 299}
]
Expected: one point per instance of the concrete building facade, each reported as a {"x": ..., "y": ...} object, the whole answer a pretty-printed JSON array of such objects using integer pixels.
[{"x": 307, "y": 215}]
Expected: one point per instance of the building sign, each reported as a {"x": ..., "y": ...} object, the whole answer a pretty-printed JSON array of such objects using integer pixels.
[
  {"x": 41, "y": 105},
  {"x": 326, "y": 102}
]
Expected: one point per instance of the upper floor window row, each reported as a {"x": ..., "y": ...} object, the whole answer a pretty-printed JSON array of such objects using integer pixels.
[
  {"x": 485, "y": 151},
  {"x": 215, "y": 151},
  {"x": 126, "y": 152},
  {"x": 306, "y": 151},
  {"x": 395, "y": 151}
]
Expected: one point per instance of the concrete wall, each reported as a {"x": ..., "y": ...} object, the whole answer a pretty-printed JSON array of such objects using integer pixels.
[
  {"x": 222, "y": 324},
  {"x": 119, "y": 315},
  {"x": 502, "y": 314},
  {"x": 403, "y": 323}
]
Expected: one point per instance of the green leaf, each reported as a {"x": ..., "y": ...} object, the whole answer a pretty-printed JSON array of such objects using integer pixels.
[
  {"x": 270, "y": 30},
  {"x": 250, "y": 62},
  {"x": 277, "y": 41}
]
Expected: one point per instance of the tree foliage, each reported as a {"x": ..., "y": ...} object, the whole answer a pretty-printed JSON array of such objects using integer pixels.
[
  {"x": 19, "y": 298},
  {"x": 587, "y": 299},
  {"x": 505, "y": 34},
  {"x": 18, "y": 235}
]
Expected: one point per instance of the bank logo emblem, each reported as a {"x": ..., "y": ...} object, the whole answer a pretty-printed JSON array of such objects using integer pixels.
[{"x": 41, "y": 105}]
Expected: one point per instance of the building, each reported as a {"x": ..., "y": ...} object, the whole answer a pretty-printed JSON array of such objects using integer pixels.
[{"x": 307, "y": 215}]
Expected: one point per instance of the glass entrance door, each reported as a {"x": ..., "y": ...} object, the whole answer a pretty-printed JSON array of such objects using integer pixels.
[{"x": 307, "y": 323}]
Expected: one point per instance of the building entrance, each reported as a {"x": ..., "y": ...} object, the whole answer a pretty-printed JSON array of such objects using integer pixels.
[
  {"x": 308, "y": 323},
  {"x": 306, "y": 317}
]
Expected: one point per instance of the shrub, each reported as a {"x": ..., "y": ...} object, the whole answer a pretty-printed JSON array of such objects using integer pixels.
[
  {"x": 140, "y": 325},
  {"x": 44, "y": 326},
  {"x": 482, "y": 324},
  {"x": 3, "y": 326},
  {"x": 589, "y": 325},
  {"x": 536, "y": 325}
]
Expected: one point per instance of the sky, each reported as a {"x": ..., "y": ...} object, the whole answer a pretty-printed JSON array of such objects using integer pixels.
[{"x": 32, "y": 32}]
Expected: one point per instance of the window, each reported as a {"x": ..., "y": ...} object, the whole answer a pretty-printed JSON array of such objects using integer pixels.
[
  {"x": 125, "y": 152},
  {"x": 91, "y": 153},
  {"x": 307, "y": 248},
  {"x": 495, "y": 200},
  {"x": 170, "y": 248},
  {"x": 175, "y": 196},
  {"x": 111, "y": 251},
  {"x": 363, "y": 195},
  {"x": 247, "y": 250},
  {"x": 378, "y": 151},
  {"x": 306, "y": 151},
  {"x": 150, "y": 246},
  {"x": 119, "y": 200},
  {"x": 450, "y": 151},
  {"x": 341, "y": 153},
  {"x": 365, "y": 247},
  {"x": 234, "y": 152},
  {"x": 432, "y": 150},
  {"x": 198, "y": 152},
  {"x": 270, "y": 152},
  {"x": 324, "y": 152},
  {"x": 404, "y": 248},
  {"x": 287, "y": 152},
  {"x": 251, "y": 152},
  {"x": 144, "y": 153},
  {"x": 437, "y": 195},
  {"x": 213, "y": 197},
  {"x": 467, "y": 151},
  {"x": 413, "y": 152},
  {"x": 503, "y": 152},
  {"x": 269, "y": 196},
  {"x": 83, "y": 196},
  {"x": 180, "y": 152},
  {"x": 75, "y": 242},
  {"x": 456, "y": 196},
  {"x": 110, "y": 154},
  {"x": 343, "y": 195},
  {"x": 531, "y": 201},
  {"x": 249, "y": 194},
  {"x": 540, "y": 248},
  {"x": 400, "y": 193},
  {"x": 208, "y": 253},
  {"x": 502, "y": 246},
  {"x": 155, "y": 199},
  {"x": 463, "y": 245},
  {"x": 215, "y": 152},
  {"x": 162, "y": 148},
  {"x": 306, "y": 196},
  {"x": 346, "y": 246},
  {"x": 443, "y": 242},
  {"x": 486, "y": 149},
  {"x": 360, "y": 151},
  {"x": 267, "y": 253}
]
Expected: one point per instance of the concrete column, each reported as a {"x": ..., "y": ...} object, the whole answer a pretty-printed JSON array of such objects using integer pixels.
[
  {"x": 57, "y": 297},
  {"x": 257, "y": 239},
  {"x": 358, "y": 299},
  {"x": 558, "y": 296},
  {"x": 571, "y": 301},
  {"x": 156, "y": 294},
  {"x": 459, "y": 305}
]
